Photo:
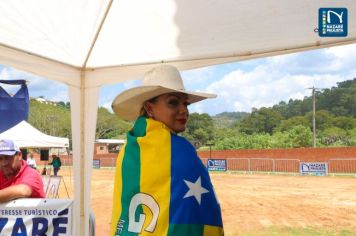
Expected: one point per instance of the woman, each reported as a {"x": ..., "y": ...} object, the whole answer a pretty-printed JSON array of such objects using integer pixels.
[
  {"x": 161, "y": 186},
  {"x": 56, "y": 163}
]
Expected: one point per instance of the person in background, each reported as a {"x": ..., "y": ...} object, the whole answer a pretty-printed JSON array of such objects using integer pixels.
[
  {"x": 158, "y": 172},
  {"x": 44, "y": 171},
  {"x": 56, "y": 163},
  {"x": 17, "y": 179},
  {"x": 31, "y": 161}
]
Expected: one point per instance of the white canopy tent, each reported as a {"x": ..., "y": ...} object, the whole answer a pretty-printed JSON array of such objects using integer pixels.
[
  {"x": 27, "y": 136},
  {"x": 86, "y": 44},
  {"x": 111, "y": 141}
]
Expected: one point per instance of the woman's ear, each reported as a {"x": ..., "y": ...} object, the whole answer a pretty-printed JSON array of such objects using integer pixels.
[{"x": 148, "y": 108}]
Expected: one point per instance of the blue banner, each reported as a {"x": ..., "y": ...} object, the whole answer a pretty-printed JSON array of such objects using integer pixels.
[
  {"x": 96, "y": 163},
  {"x": 13, "y": 108},
  {"x": 217, "y": 164},
  {"x": 314, "y": 168}
]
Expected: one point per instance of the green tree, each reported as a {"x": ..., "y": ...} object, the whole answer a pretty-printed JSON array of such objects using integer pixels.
[
  {"x": 292, "y": 122},
  {"x": 300, "y": 136},
  {"x": 352, "y": 136},
  {"x": 109, "y": 125},
  {"x": 339, "y": 100},
  {"x": 344, "y": 122},
  {"x": 334, "y": 136},
  {"x": 323, "y": 119},
  {"x": 296, "y": 136},
  {"x": 50, "y": 119},
  {"x": 244, "y": 141},
  {"x": 264, "y": 120},
  {"x": 281, "y": 140},
  {"x": 200, "y": 129}
]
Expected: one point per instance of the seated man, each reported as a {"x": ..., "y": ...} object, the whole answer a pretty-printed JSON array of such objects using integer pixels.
[
  {"x": 17, "y": 179},
  {"x": 31, "y": 161}
]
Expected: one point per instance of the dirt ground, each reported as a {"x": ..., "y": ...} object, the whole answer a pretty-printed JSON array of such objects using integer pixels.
[{"x": 254, "y": 203}]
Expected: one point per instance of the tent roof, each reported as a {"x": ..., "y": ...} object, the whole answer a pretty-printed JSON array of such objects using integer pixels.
[
  {"x": 113, "y": 41},
  {"x": 86, "y": 44},
  {"x": 25, "y": 135}
]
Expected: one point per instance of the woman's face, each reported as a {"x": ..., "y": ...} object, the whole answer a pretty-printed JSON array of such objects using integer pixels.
[{"x": 171, "y": 109}]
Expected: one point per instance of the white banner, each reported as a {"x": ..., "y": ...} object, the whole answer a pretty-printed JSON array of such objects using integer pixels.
[
  {"x": 51, "y": 185},
  {"x": 35, "y": 217},
  {"x": 314, "y": 168}
]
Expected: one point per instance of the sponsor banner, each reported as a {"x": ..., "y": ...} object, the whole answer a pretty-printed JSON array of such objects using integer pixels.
[
  {"x": 34, "y": 216},
  {"x": 96, "y": 163},
  {"x": 314, "y": 168},
  {"x": 217, "y": 164}
]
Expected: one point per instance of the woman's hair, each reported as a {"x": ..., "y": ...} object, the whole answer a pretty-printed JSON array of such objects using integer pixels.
[{"x": 143, "y": 111}]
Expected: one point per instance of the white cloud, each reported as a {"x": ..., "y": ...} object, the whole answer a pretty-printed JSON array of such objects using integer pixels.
[
  {"x": 344, "y": 59},
  {"x": 4, "y": 74},
  {"x": 194, "y": 79},
  {"x": 37, "y": 86},
  {"x": 280, "y": 78},
  {"x": 108, "y": 93},
  {"x": 239, "y": 86}
]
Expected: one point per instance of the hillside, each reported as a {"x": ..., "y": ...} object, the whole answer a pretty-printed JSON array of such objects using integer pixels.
[
  {"x": 339, "y": 101},
  {"x": 283, "y": 125},
  {"x": 54, "y": 119},
  {"x": 227, "y": 119}
]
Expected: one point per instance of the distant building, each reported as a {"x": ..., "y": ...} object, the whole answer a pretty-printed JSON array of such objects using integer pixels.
[
  {"x": 105, "y": 146},
  {"x": 44, "y": 101}
]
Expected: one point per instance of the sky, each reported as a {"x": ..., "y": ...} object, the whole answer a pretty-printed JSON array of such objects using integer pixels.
[{"x": 239, "y": 86}]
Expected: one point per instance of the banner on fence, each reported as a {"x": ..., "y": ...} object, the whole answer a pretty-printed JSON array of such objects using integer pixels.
[
  {"x": 217, "y": 164},
  {"x": 314, "y": 168},
  {"x": 96, "y": 163},
  {"x": 30, "y": 216}
]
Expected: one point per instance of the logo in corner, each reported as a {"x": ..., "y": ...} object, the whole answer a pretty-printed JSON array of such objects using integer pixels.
[{"x": 332, "y": 22}]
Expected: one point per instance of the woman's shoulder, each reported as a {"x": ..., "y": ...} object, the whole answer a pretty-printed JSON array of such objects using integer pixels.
[{"x": 179, "y": 140}]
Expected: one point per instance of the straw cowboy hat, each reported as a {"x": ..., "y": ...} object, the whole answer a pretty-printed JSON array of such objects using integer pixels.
[{"x": 159, "y": 80}]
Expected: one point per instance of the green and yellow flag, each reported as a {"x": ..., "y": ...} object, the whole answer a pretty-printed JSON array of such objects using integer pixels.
[{"x": 162, "y": 187}]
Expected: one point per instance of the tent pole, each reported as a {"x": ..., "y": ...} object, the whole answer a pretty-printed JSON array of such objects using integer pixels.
[{"x": 83, "y": 114}]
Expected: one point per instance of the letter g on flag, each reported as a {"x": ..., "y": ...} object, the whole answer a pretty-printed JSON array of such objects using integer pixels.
[{"x": 147, "y": 200}]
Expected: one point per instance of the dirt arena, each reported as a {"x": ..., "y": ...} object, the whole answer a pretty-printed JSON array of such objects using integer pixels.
[{"x": 258, "y": 204}]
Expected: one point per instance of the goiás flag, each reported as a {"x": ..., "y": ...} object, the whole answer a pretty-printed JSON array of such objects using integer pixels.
[{"x": 162, "y": 187}]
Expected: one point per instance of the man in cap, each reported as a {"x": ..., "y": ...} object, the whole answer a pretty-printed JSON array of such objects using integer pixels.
[{"x": 17, "y": 179}]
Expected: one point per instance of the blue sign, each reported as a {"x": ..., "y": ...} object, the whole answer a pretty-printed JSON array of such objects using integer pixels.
[
  {"x": 217, "y": 164},
  {"x": 96, "y": 163},
  {"x": 332, "y": 22},
  {"x": 314, "y": 168}
]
